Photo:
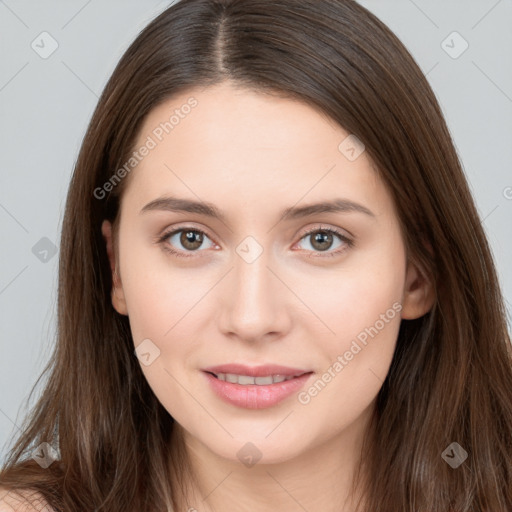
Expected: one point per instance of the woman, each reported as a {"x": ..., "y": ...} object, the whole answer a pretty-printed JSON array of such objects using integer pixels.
[{"x": 274, "y": 286}]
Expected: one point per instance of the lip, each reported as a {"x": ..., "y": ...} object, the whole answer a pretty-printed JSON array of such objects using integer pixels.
[
  {"x": 254, "y": 396},
  {"x": 256, "y": 371}
]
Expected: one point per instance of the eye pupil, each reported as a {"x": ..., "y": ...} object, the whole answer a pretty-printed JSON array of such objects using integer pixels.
[
  {"x": 320, "y": 238},
  {"x": 191, "y": 239}
]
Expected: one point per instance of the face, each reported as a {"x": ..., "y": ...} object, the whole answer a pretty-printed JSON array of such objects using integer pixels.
[{"x": 320, "y": 292}]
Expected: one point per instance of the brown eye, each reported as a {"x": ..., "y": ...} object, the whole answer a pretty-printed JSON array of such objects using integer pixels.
[
  {"x": 321, "y": 240},
  {"x": 185, "y": 240},
  {"x": 191, "y": 239}
]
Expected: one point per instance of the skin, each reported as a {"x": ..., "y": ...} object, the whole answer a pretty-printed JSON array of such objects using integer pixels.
[{"x": 253, "y": 155}]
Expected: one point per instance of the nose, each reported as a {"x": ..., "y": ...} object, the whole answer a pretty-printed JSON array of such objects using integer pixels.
[{"x": 254, "y": 302}]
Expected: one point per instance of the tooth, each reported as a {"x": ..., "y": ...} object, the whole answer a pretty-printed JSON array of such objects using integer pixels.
[
  {"x": 264, "y": 380},
  {"x": 245, "y": 379}
]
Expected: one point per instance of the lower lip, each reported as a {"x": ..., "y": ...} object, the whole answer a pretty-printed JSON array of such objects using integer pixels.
[{"x": 253, "y": 396}]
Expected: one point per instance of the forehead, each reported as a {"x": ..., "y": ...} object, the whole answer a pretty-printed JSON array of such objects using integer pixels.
[{"x": 228, "y": 144}]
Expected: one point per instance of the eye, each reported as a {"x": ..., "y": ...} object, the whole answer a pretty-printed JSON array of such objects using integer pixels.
[
  {"x": 322, "y": 239},
  {"x": 190, "y": 239}
]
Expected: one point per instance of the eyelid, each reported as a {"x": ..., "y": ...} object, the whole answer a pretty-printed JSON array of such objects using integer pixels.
[
  {"x": 172, "y": 230},
  {"x": 323, "y": 227}
]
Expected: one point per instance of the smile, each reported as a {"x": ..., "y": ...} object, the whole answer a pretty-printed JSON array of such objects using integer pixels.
[
  {"x": 245, "y": 380},
  {"x": 252, "y": 392}
]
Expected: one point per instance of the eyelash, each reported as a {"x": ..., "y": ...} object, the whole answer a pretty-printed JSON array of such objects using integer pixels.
[{"x": 349, "y": 243}]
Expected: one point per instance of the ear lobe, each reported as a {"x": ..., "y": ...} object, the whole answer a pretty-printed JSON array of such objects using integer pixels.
[
  {"x": 419, "y": 293},
  {"x": 117, "y": 294}
]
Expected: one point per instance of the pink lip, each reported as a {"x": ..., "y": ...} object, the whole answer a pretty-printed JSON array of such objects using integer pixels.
[
  {"x": 256, "y": 371},
  {"x": 253, "y": 396}
]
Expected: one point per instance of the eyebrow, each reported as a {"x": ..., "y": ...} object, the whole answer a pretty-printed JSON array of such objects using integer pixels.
[{"x": 175, "y": 204}]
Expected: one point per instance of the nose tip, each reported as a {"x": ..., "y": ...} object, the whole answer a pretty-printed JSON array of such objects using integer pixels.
[{"x": 252, "y": 307}]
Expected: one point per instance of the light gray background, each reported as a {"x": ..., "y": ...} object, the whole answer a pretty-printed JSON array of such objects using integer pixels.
[{"x": 45, "y": 105}]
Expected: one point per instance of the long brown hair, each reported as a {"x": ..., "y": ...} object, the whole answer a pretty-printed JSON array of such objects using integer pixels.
[{"x": 450, "y": 380}]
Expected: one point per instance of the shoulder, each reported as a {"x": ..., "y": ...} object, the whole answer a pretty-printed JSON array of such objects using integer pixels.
[{"x": 22, "y": 501}]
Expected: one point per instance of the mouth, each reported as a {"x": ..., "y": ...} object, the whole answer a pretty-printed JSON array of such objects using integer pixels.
[
  {"x": 255, "y": 387},
  {"x": 248, "y": 380}
]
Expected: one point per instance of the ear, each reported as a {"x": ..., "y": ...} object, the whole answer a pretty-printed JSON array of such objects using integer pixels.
[
  {"x": 419, "y": 293},
  {"x": 117, "y": 294}
]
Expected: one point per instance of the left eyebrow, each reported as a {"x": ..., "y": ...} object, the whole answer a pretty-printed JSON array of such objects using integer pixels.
[
  {"x": 333, "y": 206},
  {"x": 175, "y": 204}
]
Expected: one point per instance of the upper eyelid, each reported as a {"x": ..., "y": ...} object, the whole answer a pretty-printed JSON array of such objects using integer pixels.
[
  {"x": 336, "y": 231},
  {"x": 172, "y": 231}
]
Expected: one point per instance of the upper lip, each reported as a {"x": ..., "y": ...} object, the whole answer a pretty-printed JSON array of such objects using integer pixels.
[{"x": 256, "y": 371}]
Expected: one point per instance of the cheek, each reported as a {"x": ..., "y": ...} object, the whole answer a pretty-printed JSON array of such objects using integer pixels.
[
  {"x": 364, "y": 290},
  {"x": 164, "y": 310},
  {"x": 158, "y": 295},
  {"x": 365, "y": 318},
  {"x": 362, "y": 309},
  {"x": 364, "y": 341}
]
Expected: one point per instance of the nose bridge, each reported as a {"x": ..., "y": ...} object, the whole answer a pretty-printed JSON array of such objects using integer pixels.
[{"x": 253, "y": 303}]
